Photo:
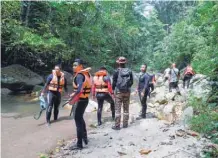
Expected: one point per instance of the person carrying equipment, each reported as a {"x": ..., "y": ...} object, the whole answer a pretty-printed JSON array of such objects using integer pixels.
[
  {"x": 122, "y": 82},
  {"x": 55, "y": 84},
  {"x": 81, "y": 89}
]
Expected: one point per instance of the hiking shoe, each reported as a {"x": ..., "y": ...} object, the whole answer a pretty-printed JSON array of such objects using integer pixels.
[
  {"x": 125, "y": 126},
  {"x": 48, "y": 124},
  {"x": 99, "y": 123},
  {"x": 85, "y": 140},
  {"x": 75, "y": 147},
  {"x": 179, "y": 93},
  {"x": 116, "y": 127},
  {"x": 140, "y": 117}
]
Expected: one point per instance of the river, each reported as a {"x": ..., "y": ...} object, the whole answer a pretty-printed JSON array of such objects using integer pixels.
[{"x": 23, "y": 136}]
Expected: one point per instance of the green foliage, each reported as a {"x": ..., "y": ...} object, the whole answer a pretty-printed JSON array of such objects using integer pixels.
[
  {"x": 100, "y": 31},
  {"x": 194, "y": 40},
  {"x": 205, "y": 118}
]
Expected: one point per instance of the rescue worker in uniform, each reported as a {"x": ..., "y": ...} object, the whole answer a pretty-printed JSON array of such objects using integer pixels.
[
  {"x": 54, "y": 84},
  {"x": 81, "y": 88},
  {"x": 143, "y": 90},
  {"x": 102, "y": 90},
  {"x": 188, "y": 73},
  {"x": 122, "y": 82}
]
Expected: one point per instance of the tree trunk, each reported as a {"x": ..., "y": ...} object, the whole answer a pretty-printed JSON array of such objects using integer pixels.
[{"x": 27, "y": 13}]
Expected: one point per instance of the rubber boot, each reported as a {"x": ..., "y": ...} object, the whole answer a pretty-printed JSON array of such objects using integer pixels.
[{"x": 99, "y": 119}]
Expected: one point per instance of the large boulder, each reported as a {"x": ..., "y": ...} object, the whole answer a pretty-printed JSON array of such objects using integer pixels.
[
  {"x": 161, "y": 98},
  {"x": 200, "y": 86},
  {"x": 187, "y": 115},
  {"x": 18, "y": 78}
]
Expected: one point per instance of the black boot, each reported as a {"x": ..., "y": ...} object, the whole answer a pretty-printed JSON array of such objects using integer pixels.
[
  {"x": 85, "y": 140},
  {"x": 76, "y": 147},
  {"x": 99, "y": 118},
  {"x": 48, "y": 116},
  {"x": 99, "y": 123},
  {"x": 141, "y": 117},
  {"x": 115, "y": 127},
  {"x": 113, "y": 115}
]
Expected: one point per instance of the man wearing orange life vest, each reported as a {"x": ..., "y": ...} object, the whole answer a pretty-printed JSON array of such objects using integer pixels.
[
  {"x": 102, "y": 90},
  {"x": 81, "y": 89},
  {"x": 188, "y": 73},
  {"x": 54, "y": 84}
]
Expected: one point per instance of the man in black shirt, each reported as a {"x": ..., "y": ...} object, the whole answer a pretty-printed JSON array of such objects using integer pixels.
[{"x": 143, "y": 90}]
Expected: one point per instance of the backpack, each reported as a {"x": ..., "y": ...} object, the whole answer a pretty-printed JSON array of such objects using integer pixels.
[{"x": 123, "y": 80}]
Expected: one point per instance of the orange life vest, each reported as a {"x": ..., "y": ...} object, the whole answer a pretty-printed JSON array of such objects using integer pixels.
[
  {"x": 189, "y": 70},
  {"x": 87, "y": 84},
  {"x": 99, "y": 83},
  {"x": 53, "y": 86}
]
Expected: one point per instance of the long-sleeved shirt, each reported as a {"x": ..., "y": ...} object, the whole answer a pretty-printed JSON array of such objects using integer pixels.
[
  {"x": 143, "y": 84},
  {"x": 115, "y": 77},
  {"x": 49, "y": 80},
  {"x": 79, "y": 82}
]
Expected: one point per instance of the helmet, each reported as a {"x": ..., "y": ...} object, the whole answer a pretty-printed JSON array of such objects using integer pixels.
[{"x": 121, "y": 60}]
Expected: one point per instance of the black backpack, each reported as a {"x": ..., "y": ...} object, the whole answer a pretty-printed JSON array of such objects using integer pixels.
[{"x": 123, "y": 80}]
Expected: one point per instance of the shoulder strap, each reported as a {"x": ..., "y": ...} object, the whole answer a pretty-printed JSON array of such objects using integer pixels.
[{"x": 175, "y": 72}]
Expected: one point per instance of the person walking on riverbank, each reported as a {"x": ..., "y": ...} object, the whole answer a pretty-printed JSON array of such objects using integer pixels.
[
  {"x": 122, "y": 82},
  {"x": 55, "y": 84},
  {"x": 81, "y": 89},
  {"x": 102, "y": 90},
  {"x": 166, "y": 74},
  {"x": 143, "y": 90},
  {"x": 174, "y": 76}
]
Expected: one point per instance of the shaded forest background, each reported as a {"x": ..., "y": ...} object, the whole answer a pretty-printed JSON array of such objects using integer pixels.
[{"x": 38, "y": 35}]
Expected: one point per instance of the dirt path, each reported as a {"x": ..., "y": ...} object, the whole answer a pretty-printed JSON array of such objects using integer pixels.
[
  {"x": 148, "y": 134},
  {"x": 27, "y": 138}
]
